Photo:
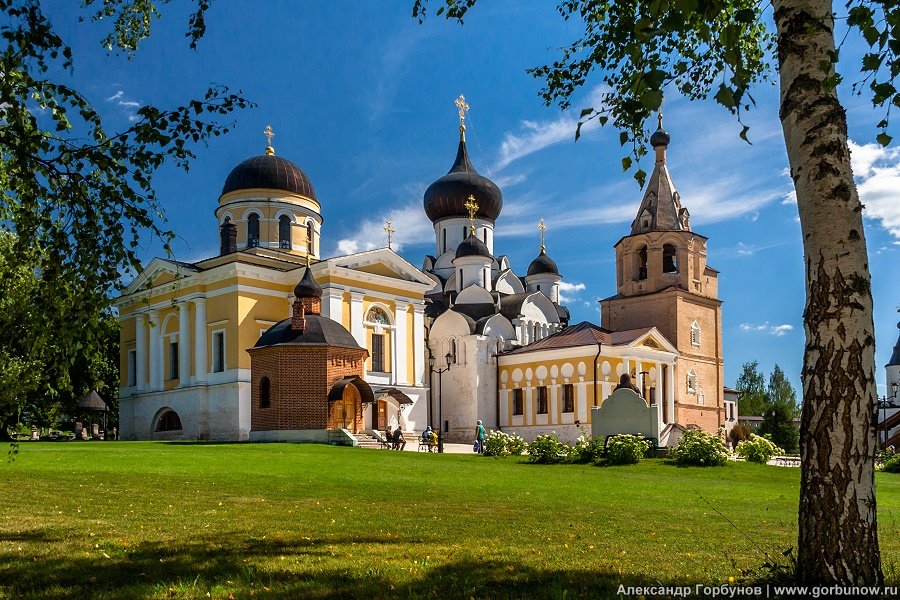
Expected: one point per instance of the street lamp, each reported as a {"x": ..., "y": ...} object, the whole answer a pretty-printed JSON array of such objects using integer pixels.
[
  {"x": 886, "y": 403},
  {"x": 448, "y": 357}
]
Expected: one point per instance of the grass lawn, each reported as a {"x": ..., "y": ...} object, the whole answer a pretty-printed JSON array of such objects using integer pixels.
[{"x": 168, "y": 520}]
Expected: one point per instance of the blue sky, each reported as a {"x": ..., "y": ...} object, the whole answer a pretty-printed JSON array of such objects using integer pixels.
[{"x": 361, "y": 97}]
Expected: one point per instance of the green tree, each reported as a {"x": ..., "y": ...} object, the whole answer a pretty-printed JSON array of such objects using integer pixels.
[
  {"x": 781, "y": 392},
  {"x": 751, "y": 385},
  {"x": 781, "y": 409},
  {"x": 77, "y": 197},
  {"x": 720, "y": 49}
]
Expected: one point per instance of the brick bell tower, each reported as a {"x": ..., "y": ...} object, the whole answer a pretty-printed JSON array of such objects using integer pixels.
[{"x": 662, "y": 280}]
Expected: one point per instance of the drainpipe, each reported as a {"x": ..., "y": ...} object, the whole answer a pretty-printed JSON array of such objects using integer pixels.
[
  {"x": 497, "y": 382},
  {"x": 596, "y": 358}
]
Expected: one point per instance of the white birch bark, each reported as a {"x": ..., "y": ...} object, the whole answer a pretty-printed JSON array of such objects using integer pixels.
[{"x": 838, "y": 536}]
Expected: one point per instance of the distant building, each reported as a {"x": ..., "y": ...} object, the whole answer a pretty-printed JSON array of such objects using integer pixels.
[{"x": 889, "y": 408}]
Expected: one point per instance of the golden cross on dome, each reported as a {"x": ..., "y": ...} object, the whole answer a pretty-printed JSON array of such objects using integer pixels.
[
  {"x": 463, "y": 108},
  {"x": 472, "y": 207},
  {"x": 659, "y": 117},
  {"x": 543, "y": 229},
  {"x": 269, "y": 135},
  {"x": 390, "y": 232},
  {"x": 308, "y": 261}
]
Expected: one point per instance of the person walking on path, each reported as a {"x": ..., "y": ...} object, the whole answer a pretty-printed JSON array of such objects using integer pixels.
[{"x": 479, "y": 436}]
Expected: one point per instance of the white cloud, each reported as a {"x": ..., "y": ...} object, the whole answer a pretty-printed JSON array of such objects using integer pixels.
[
  {"x": 128, "y": 106},
  {"x": 566, "y": 288},
  {"x": 534, "y": 136},
  {"x": 775, "y": 330},
  {"x": 877, "y": 172},
  {"x": 408, "y": 222}
]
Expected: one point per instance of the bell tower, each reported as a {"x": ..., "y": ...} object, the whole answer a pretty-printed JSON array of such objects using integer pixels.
[{"x": 662, "y": 280}]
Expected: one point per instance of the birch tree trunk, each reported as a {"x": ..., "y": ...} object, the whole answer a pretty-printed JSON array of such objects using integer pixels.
[{"x": 838, "y": 537}]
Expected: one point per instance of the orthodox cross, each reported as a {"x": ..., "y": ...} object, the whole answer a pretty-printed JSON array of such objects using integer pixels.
[
  {"x": 463, "y": 107},
  {"x": 472, "y": 207},
  {"x": 543, "y": 229},
  {"x": 390, "y": 232},
  {"x": 269, "y": 135},
  {"x": 308, "y": 261}
]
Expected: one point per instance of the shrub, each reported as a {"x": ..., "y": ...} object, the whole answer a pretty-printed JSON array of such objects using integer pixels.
[
  {"x": 587, "y": 449},
  {"x": 626, "y": 449},
  {"x": 697, "y": 447},
  {"x": 499, "y": 443},
  {"x": 739, "y": 433},
  {"x": 548, "y": 450},
  {"x": 892, "y": 465},
  {"x": 757, "y": 449}
]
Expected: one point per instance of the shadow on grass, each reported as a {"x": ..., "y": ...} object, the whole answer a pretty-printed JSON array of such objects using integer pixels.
[{"x": 316, "y": 569}]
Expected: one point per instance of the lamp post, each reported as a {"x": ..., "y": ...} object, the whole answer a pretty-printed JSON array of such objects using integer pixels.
[
  {"x": 885, "y": 402},
  {"x": 431, "y": 362}
]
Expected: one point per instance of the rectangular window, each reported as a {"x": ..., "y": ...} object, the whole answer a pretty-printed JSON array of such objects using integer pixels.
[
  {"x": 568, "y": 393},
  {"x": 132, "y": 368},
  {"x": 218, "y": 351},
  {"x": 378, "y": 353},
  {"x": 542, "y": 400},
  {"x": 518, "y": 402},
  {"x": 173, "y": 360}
]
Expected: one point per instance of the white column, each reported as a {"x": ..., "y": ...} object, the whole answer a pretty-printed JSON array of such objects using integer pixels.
[
  {"x": 670, "y": 384},
  {"x": 356, "y": 318},
  {"x": 184, "y": 344},
  {"x": 155, "y": 349},
  {"x": 332, "y": 305},
  {"x": 200, "y": 340},
  {"x": 401, "y": 343},
  {"x": 140, "y": 352},
  {"x": 419, "y": 360}
]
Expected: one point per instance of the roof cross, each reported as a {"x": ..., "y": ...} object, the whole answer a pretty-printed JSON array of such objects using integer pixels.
[
  {"x": 269, "y": 135},
  {"x": 543, "y": 229},
  {"x": 472, "y": 207},
  {"x": 463, "y": 108},
  {"x": 390, "y": 232}
]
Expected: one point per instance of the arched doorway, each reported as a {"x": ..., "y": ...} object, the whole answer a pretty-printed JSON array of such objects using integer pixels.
[
  {"x": 167, "y": 424},
  {"x": 345, "y": 403}
]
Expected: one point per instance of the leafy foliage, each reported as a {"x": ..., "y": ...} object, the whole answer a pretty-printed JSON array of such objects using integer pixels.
[
  {"x": 739, "y": 433},
  {"x": 892, "y": 465},
  {"x": 758, "y": 449},
  {"x": 548, "y": 450},
  {"x": 588, "y": 449},
  {"x": 751, "y": 383},
  {"x": 626, "y": 449},
  {"x": 696, "y": 447},
  {"x": 499, "y": 443},
  {"x": 75, "y": 197}
]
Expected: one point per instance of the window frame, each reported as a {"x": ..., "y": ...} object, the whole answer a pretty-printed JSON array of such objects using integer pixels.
[
  {"x": 377, "y": 357},
  {"x": 542, "y": 402},
  {"x": 518, "y": 402},
  {"x": 215, "y": 354},
  {"x": 285, "y": 242},
  {"x": 568, "y": 397},
  {"x": 131, "y": 366},
  {"x": 173, "y": 358},
  {"x": 253, "y": 239}
]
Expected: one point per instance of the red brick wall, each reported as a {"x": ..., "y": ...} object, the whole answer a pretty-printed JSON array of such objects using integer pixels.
[{"x": 300, "y": 377}]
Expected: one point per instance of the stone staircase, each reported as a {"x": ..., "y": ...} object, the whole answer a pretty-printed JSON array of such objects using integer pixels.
[{"x": 367, "y": 440}]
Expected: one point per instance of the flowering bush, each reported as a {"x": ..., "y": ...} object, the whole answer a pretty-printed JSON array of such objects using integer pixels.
[
  {"x": 892, "y": 465},
  {"x": 548, "y": 450},
  {"x": 587, "y": 449},
  {"x": 625, "y": 449},
  {"x": 757, "y": 449},
  {"x": 498, "y": 443},
  {"x": 697, "y": 447}
]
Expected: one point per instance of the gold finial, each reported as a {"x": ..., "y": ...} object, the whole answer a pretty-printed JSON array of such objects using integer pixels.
[
  {"x": 269, "y": 135},
  {"x": 472, "y": 207},
  {"x": 389, "y": 231},
  {"x": 543, "y": 228},
  {"x": 308, "y": 261},
  {"x": 659, "y": 117},
  {"x": 463, "y": 108}
]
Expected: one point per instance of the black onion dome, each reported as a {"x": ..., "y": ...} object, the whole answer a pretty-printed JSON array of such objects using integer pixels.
[
  {"x": 895, "y": 357},
  {"x": 543, "y": 264},
  {"x": 318, "y": 330},
  {"x": 660, "y": 137},
  {"x": 269, "y": 172},
  {"x": 447, "y": 196},
  {"x": 308, "y": 287},
  {"x": 472, "y": 246}
]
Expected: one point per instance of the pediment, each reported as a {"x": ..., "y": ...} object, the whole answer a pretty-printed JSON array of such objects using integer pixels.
[
  {"x": 653, "y": 340},
  {"x": 382, "y": 262},
  {"x": 158, "y": 272}
]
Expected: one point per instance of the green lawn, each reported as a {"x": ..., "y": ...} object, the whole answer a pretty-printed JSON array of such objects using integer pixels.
[{"x": 157, "y": 520}]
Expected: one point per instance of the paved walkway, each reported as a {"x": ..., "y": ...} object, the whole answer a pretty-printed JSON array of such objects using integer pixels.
[{"x": 448, "y": 448}]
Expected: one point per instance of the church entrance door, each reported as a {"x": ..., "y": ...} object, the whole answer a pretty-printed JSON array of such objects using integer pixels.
[{"x": 382, "y": 415}]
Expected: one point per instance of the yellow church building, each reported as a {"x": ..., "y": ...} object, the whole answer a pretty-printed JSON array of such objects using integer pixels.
[{"x": 186, "y": 327}]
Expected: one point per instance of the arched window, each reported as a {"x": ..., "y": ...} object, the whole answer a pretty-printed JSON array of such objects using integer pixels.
[
  {"x": 253, "y": 230},
  {"x": 377, "y": 315},
  {"x": 670, "y": 260},
  {"x": 168, "y": 421},
  {"x": 284, "y": 232},
  {"x": 642, "y": 264},
  {"x": 265, "y": 400},
  {"x": 452, "y": 352},
  {"x": 444, "y": 233},
  {"x": 692, "y": 382},
  {"x": 310, "y": 232},
  {"x": 695, "y": 334}
]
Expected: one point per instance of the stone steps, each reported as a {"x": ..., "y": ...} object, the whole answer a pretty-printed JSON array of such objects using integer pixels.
[{"x": 367, "y": 441}]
